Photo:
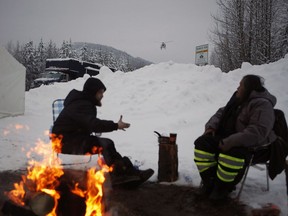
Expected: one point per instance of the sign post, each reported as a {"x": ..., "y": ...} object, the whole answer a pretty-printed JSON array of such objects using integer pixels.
[{"x": 201, "y": 56}]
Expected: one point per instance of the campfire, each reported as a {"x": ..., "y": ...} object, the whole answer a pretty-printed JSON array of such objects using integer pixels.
[{"x": 48, "y": 187}]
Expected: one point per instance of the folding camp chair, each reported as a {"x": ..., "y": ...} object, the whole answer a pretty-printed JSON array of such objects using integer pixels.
[
  {"x": 57, "y": 107},
  {"x": 255, "y": 165},
  {"x": 280, "y": 128}
]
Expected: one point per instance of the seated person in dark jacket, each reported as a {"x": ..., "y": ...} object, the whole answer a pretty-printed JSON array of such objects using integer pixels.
[
  {"x": 222, "y": 152},
  {"x": 78, "y": 120}
]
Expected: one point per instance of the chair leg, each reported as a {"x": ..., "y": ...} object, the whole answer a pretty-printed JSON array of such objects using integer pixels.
[
  {"x": 201, "y": 183},
  {"x": 244, "y": 178},
  {"x": 90, "y": 157},
  {"x": 267, "y": 175}
]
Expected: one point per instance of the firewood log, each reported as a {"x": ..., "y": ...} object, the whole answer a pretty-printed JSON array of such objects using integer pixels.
[{"x": 40, "y": 203}]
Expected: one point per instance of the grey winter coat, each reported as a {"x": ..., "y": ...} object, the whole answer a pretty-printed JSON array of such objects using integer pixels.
[{"x": 254, "y": 123}]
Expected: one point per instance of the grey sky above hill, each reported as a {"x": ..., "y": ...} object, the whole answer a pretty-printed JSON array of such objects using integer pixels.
[{"x": 134, "y": 26}]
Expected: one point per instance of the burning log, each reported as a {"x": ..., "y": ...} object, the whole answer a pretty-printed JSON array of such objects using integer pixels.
[
  {"x": 47, "y": 187},
  {"x": 41, "y": 203},
  {"x": 25, "y": 198},
  {"x": 69, "y": 203},
  {"x": 11, "y": 209},
  {"x": 72, "y": 203}
]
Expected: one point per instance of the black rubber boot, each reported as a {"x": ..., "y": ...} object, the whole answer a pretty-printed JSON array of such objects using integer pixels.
[
  {"x": 206, "y": 187},
  {"x": 143, "y": 174},
  {"x": 125, "y": 173},
  {"x": 121, "y": 173},
  {"x": 219, "y": 194}
]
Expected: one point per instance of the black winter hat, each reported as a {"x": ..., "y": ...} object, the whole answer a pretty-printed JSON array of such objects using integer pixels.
[{"x": 92, "y": 85}]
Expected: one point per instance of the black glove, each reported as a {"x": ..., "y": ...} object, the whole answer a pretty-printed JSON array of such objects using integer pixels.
[{"x": 224, "y": 147}]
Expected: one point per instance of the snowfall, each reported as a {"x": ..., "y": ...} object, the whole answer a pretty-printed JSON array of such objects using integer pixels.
[{"x": 166, "y": 97}]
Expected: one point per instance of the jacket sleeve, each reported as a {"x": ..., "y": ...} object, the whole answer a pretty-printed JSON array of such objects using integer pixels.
[
  {"x": 101, "y": 126},
  {"x": 260, "y": 124},
  {"x": 213, "y": 122},
  {"x": 85, "y": 117}
]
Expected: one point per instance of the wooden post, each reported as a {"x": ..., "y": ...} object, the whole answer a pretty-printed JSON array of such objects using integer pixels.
[{"x": 168, "y": 160}]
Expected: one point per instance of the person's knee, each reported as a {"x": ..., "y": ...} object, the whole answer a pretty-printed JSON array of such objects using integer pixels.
[
  {"x": 206, "y": 142},
  {"x": 199, "y": 141},
  {"x": 106, "y": 143}
]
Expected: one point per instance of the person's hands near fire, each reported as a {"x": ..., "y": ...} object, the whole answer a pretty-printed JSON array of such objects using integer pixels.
[{"x": 122, "y": 125}]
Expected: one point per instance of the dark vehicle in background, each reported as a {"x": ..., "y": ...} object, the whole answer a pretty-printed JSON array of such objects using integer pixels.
[
  {"x": 66, "y": 69},
  {"x": 49, "y": 78},
  {"x": 74, "y": 68}
]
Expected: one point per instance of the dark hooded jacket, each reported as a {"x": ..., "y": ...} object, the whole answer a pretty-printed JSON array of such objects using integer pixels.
[{"x": 79, "y": 116}]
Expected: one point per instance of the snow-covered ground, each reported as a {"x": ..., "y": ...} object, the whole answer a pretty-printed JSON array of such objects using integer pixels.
[{"x": 165, "y": 97}]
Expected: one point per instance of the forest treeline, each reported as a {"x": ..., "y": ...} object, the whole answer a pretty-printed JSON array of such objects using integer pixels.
[
  {"x": 254, "y": 31},
  {"x": 33, "y": 56}
]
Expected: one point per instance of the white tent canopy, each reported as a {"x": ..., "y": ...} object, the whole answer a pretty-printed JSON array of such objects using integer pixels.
[{"x": 12, "y": 85}]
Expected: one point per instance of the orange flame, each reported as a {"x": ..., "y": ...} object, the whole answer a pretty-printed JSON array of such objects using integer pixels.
[
  {"x": 56, "y": 142},
  {"x": 17, "y": 195},
  {"x": 94, "y": 192},
  {"x": 44, "y": 176}
]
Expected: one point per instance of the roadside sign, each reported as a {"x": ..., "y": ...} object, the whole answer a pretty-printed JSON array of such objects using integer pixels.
[{"x": 201, "y": 56}]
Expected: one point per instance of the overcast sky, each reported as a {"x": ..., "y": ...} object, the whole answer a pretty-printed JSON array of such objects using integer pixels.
[{"x": 134, "y": 26}]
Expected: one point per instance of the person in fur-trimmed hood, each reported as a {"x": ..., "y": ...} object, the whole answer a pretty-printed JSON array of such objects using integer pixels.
[
  {"x": 221, "y": 153},
  {"x": 77, "y": 123}
]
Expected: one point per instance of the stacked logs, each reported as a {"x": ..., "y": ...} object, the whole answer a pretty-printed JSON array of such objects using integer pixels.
[{"x": 69, "y": 204}]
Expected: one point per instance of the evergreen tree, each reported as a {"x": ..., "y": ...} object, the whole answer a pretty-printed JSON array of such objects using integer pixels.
[
  {"x": 65, "y": 50},
  {"x": 252, "y": 31},
  {"x": 52, "y": 51},
  {"x": 41, "y": 56},
  {"x": 28, "y": 55},
  {"x": 280, "y": 27},
  {"x": 84, "y": 55}
]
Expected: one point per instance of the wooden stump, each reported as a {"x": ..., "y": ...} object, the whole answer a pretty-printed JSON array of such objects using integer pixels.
[{"x": 168, "y": 162}]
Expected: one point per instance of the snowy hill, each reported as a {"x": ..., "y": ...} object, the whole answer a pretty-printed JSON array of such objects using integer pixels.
[
  {"x": 165, "y": 97},
  {"x": 114, "y": 54}
]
